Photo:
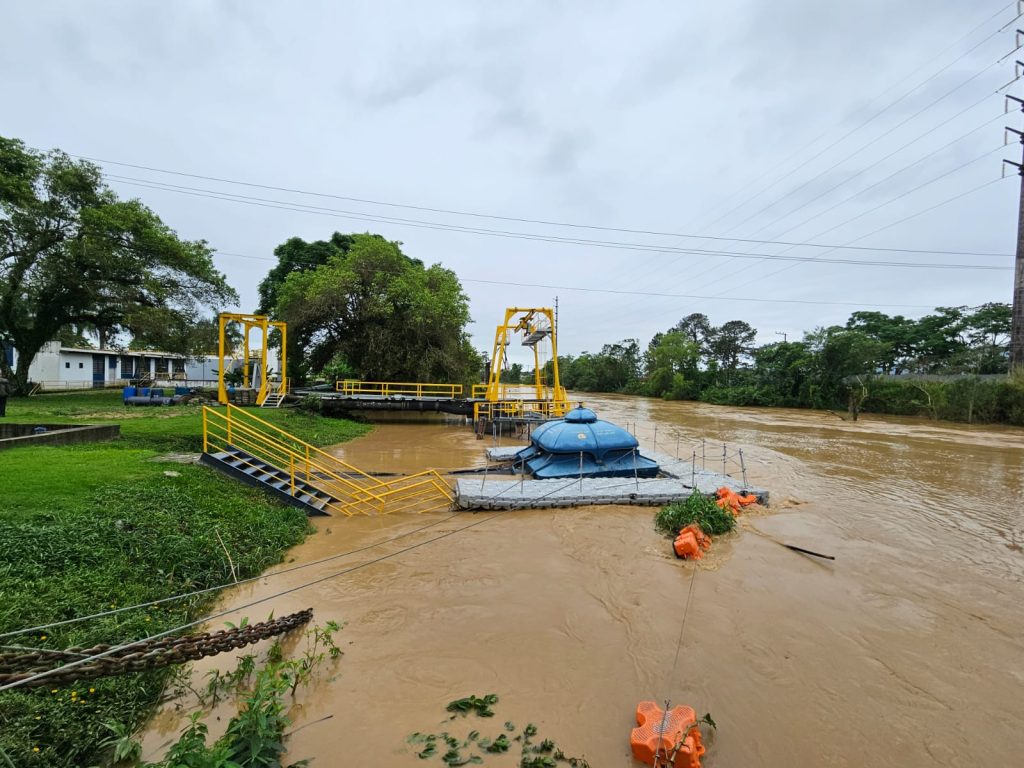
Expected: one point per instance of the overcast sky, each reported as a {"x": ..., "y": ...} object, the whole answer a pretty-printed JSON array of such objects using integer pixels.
[{"x": 645, "y": 116}]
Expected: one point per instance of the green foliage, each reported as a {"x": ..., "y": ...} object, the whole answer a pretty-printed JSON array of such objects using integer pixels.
[
  {"x": 255, "y": 737},
  {"x": 72, "y": 253},
  {"x": 835, "y": 367},
  {"x": 94, "y": 526},
  {"x": 472, "y": 749},
  {"x": 481, "y": 706},
  {"x": 698, "y": 509},
  {"x": 386, "y": 315}
]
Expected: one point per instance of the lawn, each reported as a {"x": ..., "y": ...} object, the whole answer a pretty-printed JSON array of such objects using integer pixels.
[{"x": 86, "y": 527}]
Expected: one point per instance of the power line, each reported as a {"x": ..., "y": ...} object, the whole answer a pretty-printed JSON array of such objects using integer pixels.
[
  {"x": 714, "y": 267},
  {"x": 207, "y": 590},
  {"x": 746, "y": 299},
  {"x": 902, "y": 195},
  {"x": 944, "y": 51},
  {"x": 369, "y": 216},
  {"x": 235, "y": 609},
  {"x": 618, "y": 245},
  {"x": 873, "y": 141}
]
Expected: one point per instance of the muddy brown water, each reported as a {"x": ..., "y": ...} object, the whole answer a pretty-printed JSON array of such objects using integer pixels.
[{"x": 907, "y": 650}]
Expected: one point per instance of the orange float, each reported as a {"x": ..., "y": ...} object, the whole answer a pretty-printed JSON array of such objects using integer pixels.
[
  {"x": 691, "y": 543},
  {"x": 666, "y": 738},
  {"x": 729, "y": 498}
]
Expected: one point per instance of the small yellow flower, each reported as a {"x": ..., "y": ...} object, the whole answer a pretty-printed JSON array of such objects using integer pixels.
[
  {"x": 42, "y": 637},
  {"x": 92, "y": 690},
  {"x": 53, "y": 690},
  {"x": 39, "y": 717},
  {"x": 35, "y": 749},
  {"x": 148, "y": 619},
  {"x": 113, "y": 605}
]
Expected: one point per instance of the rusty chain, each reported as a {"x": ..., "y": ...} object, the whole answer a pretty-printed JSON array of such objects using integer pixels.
[{"x": 141, "y": 656}]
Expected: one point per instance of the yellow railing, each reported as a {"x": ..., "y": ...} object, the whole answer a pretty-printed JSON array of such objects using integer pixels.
[
  {"x": 273, "y": 387},
  {"x": 388, "y": 388},
  {"x": 519, "y": 409},
  {"x": 351, "y": 490}
]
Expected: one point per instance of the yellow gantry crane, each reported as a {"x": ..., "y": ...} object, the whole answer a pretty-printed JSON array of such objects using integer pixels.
[
  {"x": 536, "y": 324},
  {"x": 268, "y": 392}
]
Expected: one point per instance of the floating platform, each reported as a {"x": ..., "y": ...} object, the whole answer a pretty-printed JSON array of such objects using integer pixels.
[{"x": 679, "y": 480}]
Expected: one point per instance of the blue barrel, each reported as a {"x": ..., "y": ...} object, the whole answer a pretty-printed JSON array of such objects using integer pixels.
[
  {"x": 129, "y": 392},
  {"x": 144, "y": 392},
  {"x": 181, "y": 390}
]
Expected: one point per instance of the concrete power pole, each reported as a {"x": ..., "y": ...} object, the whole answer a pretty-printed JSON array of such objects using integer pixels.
[{"x": 1017, "y": 316}]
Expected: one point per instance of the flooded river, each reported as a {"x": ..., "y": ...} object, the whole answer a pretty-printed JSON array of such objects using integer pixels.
[{"x": 907, "y": 650}]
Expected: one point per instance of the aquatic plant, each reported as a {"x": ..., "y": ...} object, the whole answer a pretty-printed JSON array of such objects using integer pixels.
[
  {"x": 473, "y": 748},
  {"x": 698, "y": 509}
]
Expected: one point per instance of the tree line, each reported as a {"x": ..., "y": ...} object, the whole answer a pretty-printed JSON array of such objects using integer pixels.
[{"x": 936, "y": 365}]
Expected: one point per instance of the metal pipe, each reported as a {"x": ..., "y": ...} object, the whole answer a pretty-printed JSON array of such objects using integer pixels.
[{"x": 743, "y": 467}]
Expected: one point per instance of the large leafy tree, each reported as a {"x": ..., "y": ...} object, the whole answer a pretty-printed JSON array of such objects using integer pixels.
[
  {"x": 73, "y": 254},
  {"x": 385, "y": 315},
  {"x": 296, "y": 255}
]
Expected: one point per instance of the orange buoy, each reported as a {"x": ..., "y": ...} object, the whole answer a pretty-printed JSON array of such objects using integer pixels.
[
  {"x": 666, "y": 738},
  {"x": 691, "y": 543},
  {"x": 729, "y": 498}
]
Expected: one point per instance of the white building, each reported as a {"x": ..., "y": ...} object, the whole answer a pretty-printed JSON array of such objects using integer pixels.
[{"x": 58, "y": 367}]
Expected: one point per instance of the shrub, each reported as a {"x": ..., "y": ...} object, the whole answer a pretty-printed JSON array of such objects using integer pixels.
[{"x": 697, "y": 509}]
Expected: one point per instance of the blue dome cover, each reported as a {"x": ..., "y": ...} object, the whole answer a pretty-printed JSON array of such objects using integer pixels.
[{"x": 607, "y": 450}]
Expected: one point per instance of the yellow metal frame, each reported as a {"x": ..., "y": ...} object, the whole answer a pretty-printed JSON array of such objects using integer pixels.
[
  {"x": 248, "y": 322},
  {"x": 536, "y": 324},
  {"x": 355, "y": 491},
  {"x": 388, "y": 388}
]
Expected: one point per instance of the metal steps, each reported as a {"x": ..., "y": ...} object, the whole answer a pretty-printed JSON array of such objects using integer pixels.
[
  {"x": 259, "y": 474},
  {"x": 273, "y": 400}
]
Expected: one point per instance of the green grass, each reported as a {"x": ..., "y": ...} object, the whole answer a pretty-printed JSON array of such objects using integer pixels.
[{"x": 89, "y": 526}]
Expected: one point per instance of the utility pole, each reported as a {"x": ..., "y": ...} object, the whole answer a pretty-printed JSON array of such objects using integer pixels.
[
  {"x": 785, "y": 338},
  {"x": 1017, "y": 316}
]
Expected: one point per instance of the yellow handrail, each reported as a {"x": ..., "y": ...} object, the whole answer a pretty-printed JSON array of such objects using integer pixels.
[
  {"x": 389, "y": 388},
  {"x": 352, "y": 490},
  {"x": 234, "y": 434}
]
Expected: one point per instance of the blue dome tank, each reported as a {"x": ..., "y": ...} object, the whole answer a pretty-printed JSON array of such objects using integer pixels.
[{"x": 607, "y": 450}]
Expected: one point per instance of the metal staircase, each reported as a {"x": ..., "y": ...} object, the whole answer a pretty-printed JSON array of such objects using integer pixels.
[
  {"x": 273, "y": 400},
  {"x": 259, "y": 474},
  {"x": 255, "y": 451}
]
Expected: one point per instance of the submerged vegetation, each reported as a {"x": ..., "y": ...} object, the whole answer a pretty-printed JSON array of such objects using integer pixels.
[
  {"x": 697, "y": 508},
  {"x": 474, "y": 747},
  {"x": 94, "y": 527}
]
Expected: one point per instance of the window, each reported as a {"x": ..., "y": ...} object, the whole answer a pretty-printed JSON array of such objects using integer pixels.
[
  {"x": 81, "y": 365},
  {"x": 67, "y": 365},
  {"x": 127, "y": 367},
  {"x": 161, "y": 365},
  {"x": 112, "y": 362}
]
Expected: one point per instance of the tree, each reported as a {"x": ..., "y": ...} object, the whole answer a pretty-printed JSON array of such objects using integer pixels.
[
  {"x": 382, "y": 313},
  {"x": 296, "y": 255},
  {"x": 672, "y": 367},
  {"x": 897, "y": 333},
  {"x": 697, "y": 327},
  {"x": 988, "y": 333},
  {"x": 72, "y": 253},
  {"x": 783, "y": 372},
  {"x": 729, "y": 343}
]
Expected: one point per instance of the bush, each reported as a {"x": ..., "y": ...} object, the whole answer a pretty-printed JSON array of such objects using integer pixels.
[{"x": 698, "y": 509}]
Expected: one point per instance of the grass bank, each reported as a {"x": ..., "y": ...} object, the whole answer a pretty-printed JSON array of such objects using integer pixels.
[{"x": 87, "y": 527}]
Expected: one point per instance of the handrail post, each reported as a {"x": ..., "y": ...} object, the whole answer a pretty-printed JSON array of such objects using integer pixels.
[
  {"x": 291, "y": 468},
  {"x": 206, "y": 440},
  {"x": 227, "y": 418},
  {"x": 307, "y": 462}
]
